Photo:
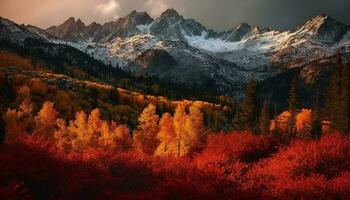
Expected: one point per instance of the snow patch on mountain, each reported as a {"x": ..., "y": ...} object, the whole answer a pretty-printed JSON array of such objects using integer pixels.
[
  {"x": 212, "y": 44},
  {"x": 145, "y": 28}
]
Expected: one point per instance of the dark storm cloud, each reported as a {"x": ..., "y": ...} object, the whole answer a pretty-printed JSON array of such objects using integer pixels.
[{"x": 216, "y": 14}]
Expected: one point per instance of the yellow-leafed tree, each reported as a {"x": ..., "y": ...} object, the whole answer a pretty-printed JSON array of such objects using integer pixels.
[
  {"x": 166, "y": 136},
  {"x": 122, "y": 138},
  {"x": 180, "y": 133},
  {"x": 145, "y": 137},
  {"x": 18, "y": 121},
  {"x": 46, "y": 120},
  {"x": 94, "y": 125},
  {"x": 77, "y": 129},
  {"x": 195, "y": 137}
]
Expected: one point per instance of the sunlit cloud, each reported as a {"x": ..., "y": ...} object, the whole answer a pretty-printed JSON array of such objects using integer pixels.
[
  {"x": 156, "y": 7},
  {"x": 108, "y": 9}
]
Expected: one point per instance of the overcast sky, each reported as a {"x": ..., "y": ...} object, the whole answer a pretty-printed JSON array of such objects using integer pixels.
[{"x": 216, "y": 14}]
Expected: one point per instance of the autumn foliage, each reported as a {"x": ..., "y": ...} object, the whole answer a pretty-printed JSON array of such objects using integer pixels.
[{"x": 172, "y": 156}]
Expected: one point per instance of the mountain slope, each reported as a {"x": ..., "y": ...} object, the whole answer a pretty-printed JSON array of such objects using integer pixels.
[{"x": 184, "y": 52}]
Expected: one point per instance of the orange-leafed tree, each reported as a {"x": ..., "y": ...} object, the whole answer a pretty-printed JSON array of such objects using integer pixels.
[
  {"x": 77, "y": 129},
  {"x": 180, "y": 133},
  {"x": 46, "y": 120},
  {"x": 166, "y": 136},
  {"x": 195, "y": 137},
  {"x": 122, "y": 138},
  {"x": 303, "y": 123},
  {"x": 281, "y": 122},
  {"x": 19, "y": 121},
  {"x": 106, "y": 140},
  {"x": 62, "y": 136},
  {"x": 94, "y": 124},
  {"x": 145, "y": 137}
]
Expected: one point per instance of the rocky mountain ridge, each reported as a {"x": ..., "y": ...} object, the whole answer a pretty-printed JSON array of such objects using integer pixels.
[{"x": 186, "y": 52}]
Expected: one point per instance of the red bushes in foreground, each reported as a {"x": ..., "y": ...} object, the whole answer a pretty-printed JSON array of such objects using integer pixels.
[
  {"x": 233, "y": 166},
  {"x": 225, "y": 151},
  {"x": 305, "y": 169}
]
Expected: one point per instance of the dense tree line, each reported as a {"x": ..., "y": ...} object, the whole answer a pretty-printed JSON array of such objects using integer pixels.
[
  {"x": 72, "y": 62},
  {"x": 330, "y": 110}
]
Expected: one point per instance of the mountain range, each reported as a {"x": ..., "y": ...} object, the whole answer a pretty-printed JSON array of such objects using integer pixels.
[{"x": 185, "y": 52}]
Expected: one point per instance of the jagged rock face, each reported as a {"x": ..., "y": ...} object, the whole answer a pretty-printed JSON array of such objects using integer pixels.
[
  {"x": 106, "y": 30},
  {"x": 185, "y": 52},
  {"x": 69, "y": 30},
  {"x": 241, "y": 32},
  {"x": 325, "y": 29},
  {"x": 155, "y": 59},
  {"x": 127, "y": 26},
  {"x": 171, "y": 25}
]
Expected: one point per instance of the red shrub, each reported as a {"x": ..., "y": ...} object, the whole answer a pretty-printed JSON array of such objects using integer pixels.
[
  {"x": 304, "y": 169},
  {"x": 234, "y": 149}
]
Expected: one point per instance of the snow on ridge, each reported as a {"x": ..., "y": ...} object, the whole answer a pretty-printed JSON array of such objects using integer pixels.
[
  {"x": 145, "y": 28},
  {"x": 212, "y": 44}
]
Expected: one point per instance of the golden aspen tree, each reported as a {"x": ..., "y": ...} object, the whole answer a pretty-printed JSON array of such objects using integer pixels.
[
  {"x": 78, "y": 128},
  {"x": 145, "y": 136},
  {"x": 122, "y": 138},
  {"x": 106, "y": 139},
  {"x": 62, "y": 136},
  {"x": 195, "y": 130},
  {"x": 18, "y": 121},
  {"x": 46, "y": 120},
  {"x": 303, "y": 123},
  {"x": 94, "y": 124},
  {"x": 166, "y": 136},
  {"x": 179, "y": 122}
]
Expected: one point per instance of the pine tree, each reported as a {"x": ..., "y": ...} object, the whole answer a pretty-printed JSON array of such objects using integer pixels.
[
  {"x": 316, "y": 125},
  {"x": 333, "y": 96},
  {"x": 292, "y": 108},
  {"x": 264, "y": 121},
  {"x": 145, "y": 136},
  {"x": 246, "y": 118},
  {"x": 345, "y": 100}
]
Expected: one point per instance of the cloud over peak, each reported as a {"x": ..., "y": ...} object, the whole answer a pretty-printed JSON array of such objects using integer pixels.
[{"x": 108, "y": 9}]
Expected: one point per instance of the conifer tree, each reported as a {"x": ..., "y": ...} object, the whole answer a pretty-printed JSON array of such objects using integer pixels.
[
  {"x": 246, "y": 117},
  {"x": 333, "y": 96},
  {"x": 292, "y": 108},
  {"x": 316, "y": 124},
  {"x": 264, "y": 120},
  {"x": 344, "y": 122}
]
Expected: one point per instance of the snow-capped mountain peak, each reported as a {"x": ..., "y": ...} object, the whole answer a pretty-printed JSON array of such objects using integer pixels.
[
  {"x": 69, "y": 30},
  {"x": 324, "y": 28},
  {"x": 182, "y": 50}
]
